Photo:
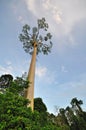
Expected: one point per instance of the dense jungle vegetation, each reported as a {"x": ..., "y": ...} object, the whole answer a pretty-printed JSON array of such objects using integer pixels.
[{"x": 14, "y": 114}]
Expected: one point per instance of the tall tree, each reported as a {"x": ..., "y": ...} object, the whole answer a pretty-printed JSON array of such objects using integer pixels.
[
  {"x": 34, "y": 42},
  {"x": 76, "y": 104}
]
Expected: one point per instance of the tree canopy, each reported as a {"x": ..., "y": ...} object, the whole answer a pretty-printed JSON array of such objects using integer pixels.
[{"x": 38, "y": 35}]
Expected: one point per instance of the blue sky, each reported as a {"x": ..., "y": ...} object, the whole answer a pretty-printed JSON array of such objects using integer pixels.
[{"x": 61, "y": 75}]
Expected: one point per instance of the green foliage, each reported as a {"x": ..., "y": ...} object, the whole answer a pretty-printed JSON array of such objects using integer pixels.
[
  {"x": 14, "y": 114},
  {"x": 13, "y": 110},
  {"x": 39, "y": 105},
  {"x": 42, "y": 109},
  {"x": 16, "y": 86},
  {"x": 38, "y": 35}
]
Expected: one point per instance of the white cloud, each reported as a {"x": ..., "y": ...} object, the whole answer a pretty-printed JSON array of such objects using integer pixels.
[
  {"x": 51, "y": 78},
  {"x": 73, "y": 88},
  {"x": 53, "y": 10},
  {"x": 44, "y": 74},
  {"x": 58, "y": 12},
  {"x": 63, "y": 69},
  {"x": 57, "y": 18},
  {"x": 31, "y": 6},
  {"x": 16, "y": 70},
  {"x": 46, "y": 8},
  {"x": 41, "y": 71},
  {"x": 21, "y": 19},
  {"x": 14, "y": 7},
  {"x": 46, "y": 4},
  {"x": 8, "y": 63},
  {"x": 6, "y": 70}
]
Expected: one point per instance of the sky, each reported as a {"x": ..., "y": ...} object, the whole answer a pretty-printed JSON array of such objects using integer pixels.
[{"x": 61, "y": 75}]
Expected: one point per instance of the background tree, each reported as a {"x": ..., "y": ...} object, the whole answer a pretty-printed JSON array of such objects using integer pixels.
[
  {"x": 39, "y": 105},
  {"x": 79, "y": 121},
  {"x": 61, "y": 118},
  {"x": 76, "y": 105},
  {"x": 15, "y": 115},
  {"x": 71, "y": 118},
  {"x": 16, "y": 85},
  {"x": 13, "y": 110},
  {"x": 5, "y": 80},
  {"x": 34, "y": 42}
]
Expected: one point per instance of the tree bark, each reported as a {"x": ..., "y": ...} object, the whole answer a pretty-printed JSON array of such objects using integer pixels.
[{"x": 29, "y": 93}]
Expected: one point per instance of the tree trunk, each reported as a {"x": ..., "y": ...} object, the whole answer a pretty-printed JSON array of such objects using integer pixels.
[{"x": 29, "y": 93}]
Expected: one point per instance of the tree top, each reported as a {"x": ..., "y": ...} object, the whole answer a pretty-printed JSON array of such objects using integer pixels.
[{"x": 38, "y": 36}]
